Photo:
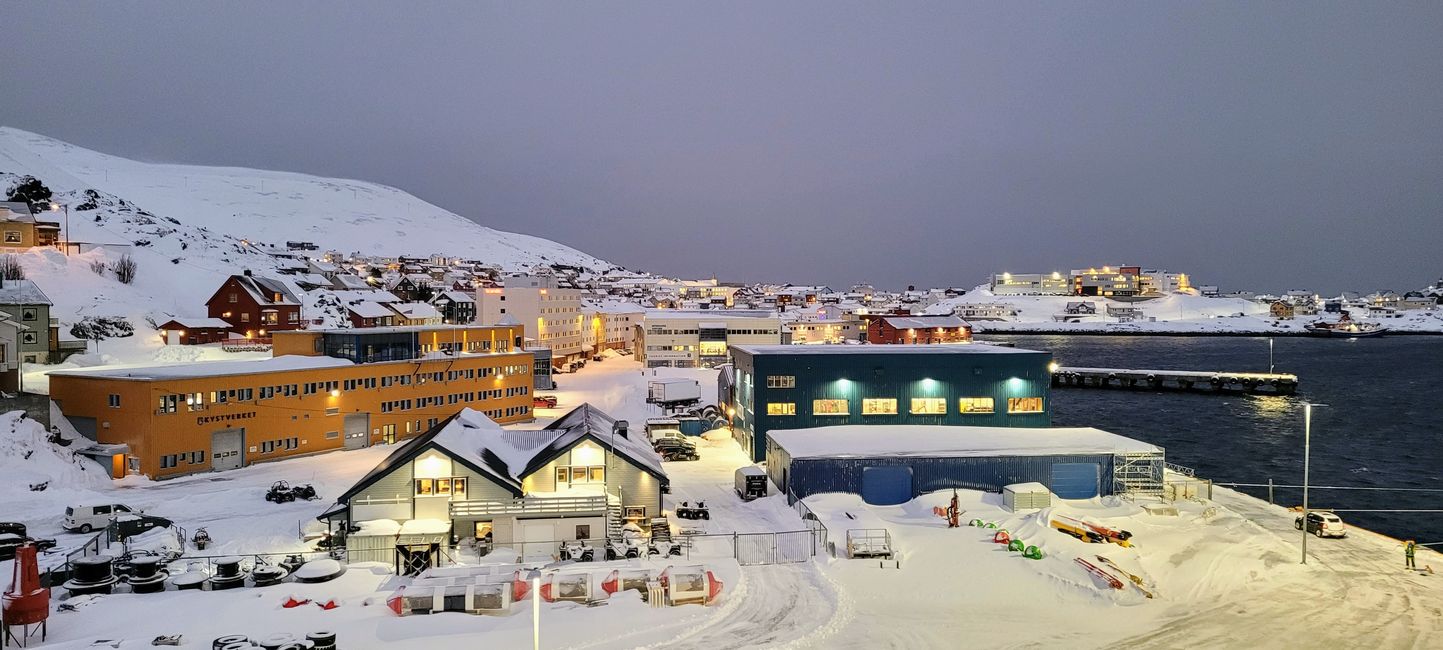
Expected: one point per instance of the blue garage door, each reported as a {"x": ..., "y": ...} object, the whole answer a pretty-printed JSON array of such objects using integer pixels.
[
  {"x": 1075, "y": 480},
  {"x": 886, "y": 486}
]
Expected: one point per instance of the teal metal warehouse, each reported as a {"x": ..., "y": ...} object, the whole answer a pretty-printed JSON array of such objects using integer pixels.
[
  {"x": 888, "y": 465},
  {"x": 804, "y": 386}
]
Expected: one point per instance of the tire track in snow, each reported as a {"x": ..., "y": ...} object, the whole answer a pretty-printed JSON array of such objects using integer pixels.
[{"x": 776, "y": 605}]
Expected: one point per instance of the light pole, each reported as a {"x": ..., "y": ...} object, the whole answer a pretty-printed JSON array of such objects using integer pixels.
[
  {"x": 1270, "y": 355},
  {"x": 56, "y": 206},
  {"x": 1307, "y": 455},
  {"x": 535, "y": 577}
]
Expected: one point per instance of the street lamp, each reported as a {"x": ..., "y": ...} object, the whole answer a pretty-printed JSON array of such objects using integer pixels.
[
  {"x": 56, "y": 206},
  {"x": 1270, "y": 355},
  {"x": 535, "y": 578},
  {"x": 1307, "y": 454}
]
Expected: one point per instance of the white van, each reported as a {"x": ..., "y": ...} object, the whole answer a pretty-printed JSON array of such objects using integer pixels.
[{"x": 84, "y": 519}]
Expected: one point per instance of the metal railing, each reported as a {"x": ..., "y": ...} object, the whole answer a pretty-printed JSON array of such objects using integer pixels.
[
  {"x": 528, "y": 505},
  {"x": 812, "y": 521},
  {"x": 1185, "y": 471}
]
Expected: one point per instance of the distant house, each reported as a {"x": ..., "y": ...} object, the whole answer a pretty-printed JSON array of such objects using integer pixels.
[
  {"x": 194, "y": 331},
  {"x": 456, "y": 307},
  {"x": 350, "y": 282},
  {"x": 255, "y": 305},
  {"x": 918, "y": 329},
  {"x": 10, "y": 333},
  {"x": 20, "y": 229},
  {"x": 370, "y": 314},
  {"x": 1282, "y": 309},
  {"x": 25, "y": 303},
  {"x": 1125, "y": 314},
  {"x": 415, "y": 313},
  {"x": 581, "y": 477},
  {"x": 1085, "y": 307}
]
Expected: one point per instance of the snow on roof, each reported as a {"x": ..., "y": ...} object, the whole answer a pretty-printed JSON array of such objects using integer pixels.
[
  {"x": 688, "y": 314},
  {"x": 425, "y": 527},
  {"x": 22, "y": 292},
  {"x": 913, "y": 322},
  {"x": 416, "y": 310},
  {"x": 348, "y": 281},
  {"x": 862, "y": 440},
  {"x": 197, "y": 322},
  {"x": 826, "y": 348},
  {"x": 207, "y": 369},
  {"x": 457, "y": 296},
  {"x": 1027, "y": 487},
  {"x": 367, "y": 309}
]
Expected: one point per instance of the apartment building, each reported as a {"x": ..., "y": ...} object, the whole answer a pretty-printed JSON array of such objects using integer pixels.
[
  {"x": 610, "y": 325},
  {"x": 550, "y": 312},
  {"x": 702, "y": 338}
]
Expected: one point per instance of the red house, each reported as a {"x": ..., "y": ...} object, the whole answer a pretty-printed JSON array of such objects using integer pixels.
[
  {"x": 194, "y": 331},
  {"x": 918, "y": 329},
  {"x": 255, "y": 306}
]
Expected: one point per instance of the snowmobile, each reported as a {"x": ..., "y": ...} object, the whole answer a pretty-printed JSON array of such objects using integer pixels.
[
  {"x": 201, "y": 539},
  {"x": 306, "y": 492},
  {"x": 686, "y": 511}
]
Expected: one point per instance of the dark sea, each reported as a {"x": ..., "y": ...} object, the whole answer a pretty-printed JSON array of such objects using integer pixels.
[{"x": 1382, "y": 426}]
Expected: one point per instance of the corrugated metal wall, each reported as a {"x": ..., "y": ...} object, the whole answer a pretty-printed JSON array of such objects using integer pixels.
[{"x": 808, "y": 476}]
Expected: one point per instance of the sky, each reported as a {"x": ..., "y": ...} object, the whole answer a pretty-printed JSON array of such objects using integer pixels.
[{"x": 1259, "y": 145}]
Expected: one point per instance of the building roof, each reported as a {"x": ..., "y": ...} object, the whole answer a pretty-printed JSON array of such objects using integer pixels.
[
  {"x": 207, "y": 369},
  {"x": 16, "y": 211},
  {"x": 348, "y": 281},
  {"x": 587, "y": 421},
  {"x": 415, "y": 310},
  {"x": 367, "y": 309},
  {"x": 923, "y": 322},
  {"x": 22, "y": 292},
  {"x": 197, "y": 323},
  {"x": 689, "y": 314},
  {"x": 455, "y": 296},
  {"x": 871, "y": 441},
  {"x": 954, "y": 348},
  {"x": 398, "y": 329}
]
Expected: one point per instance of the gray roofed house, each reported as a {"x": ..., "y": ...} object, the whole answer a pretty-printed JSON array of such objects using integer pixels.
[{"x": 25, "y": 303}]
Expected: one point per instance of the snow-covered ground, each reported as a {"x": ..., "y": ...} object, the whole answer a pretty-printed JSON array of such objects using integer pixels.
[
  {"x": 1177, "y": 313},
  {"x": 1225, "y": 572}
]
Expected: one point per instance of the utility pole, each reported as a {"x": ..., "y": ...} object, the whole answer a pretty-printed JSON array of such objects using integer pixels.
[
  {"x": 1307, "y": 455},
  {"x": 1270, "y": 355}
]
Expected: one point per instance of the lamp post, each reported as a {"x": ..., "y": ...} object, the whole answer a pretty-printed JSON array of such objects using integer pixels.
[
  {"x": 56, "y": 206},
  {"x": 1307, "y": 456},
  {"x": 1270, "y": 355},
  {"x": 535, "y": 578}
]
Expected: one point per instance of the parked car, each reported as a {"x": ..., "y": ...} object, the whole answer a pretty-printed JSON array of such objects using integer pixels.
[
  {"x": 84, "y": 519},
  {"x": 543, "y": 401},
  {"x": 128, "y": 525},
  {"x": 670, "y": 449},
  {"x": 1323, "y": 524},
  {"x": 662, "y": 444}
]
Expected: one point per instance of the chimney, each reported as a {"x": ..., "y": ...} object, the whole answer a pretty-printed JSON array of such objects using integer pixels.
[
  {"x": 247, "y": 273},
  {"x": 619, "y": 428}
]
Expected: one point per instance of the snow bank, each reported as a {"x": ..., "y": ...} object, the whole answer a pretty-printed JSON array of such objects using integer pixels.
[{"x": 27, "y": 458}]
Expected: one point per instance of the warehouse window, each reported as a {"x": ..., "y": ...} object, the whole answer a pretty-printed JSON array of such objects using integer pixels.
[
  {"x": 114, "y": 401},
  {"x": 974, "y": 405},
  {"x": 879, "y": 406},
  {"x": 781, "y": 381},
  {"x": 1024, "y": 405},
  {"x": 781, "y": 408},
  {"x": 829, "y": 407},
  {"x": 929, "y": 406}
]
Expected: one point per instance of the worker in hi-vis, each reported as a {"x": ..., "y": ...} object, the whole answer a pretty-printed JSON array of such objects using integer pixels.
[{"x": 1409, "y": 548}]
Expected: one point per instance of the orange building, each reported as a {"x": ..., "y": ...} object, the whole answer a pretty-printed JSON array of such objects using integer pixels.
[{"x": 323, "y": 390}]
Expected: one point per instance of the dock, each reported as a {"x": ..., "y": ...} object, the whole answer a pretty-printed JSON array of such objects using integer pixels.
[{"x": 1247, "y": 383}]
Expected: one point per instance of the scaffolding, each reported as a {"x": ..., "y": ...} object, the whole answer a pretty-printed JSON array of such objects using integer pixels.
[{"x": 1138, "y": 473}]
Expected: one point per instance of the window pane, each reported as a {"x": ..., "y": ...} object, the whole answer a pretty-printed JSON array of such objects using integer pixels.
[
  {"x": 562, "y": 476},
  {"x": 929, "y": 406},
  {"x": 782, "y": 408},
  {"x": 829, "y": 407},
  {"x": 425, "y": 486},
  {"x": 879, "y": 406},
  {"x": 578, "y": 474},
  {"x": 974, "y": 405},
  {"x": 1024, "y": 405},
  {"x": 443, "y": 486},
  {"x": 598, "y": 475}
]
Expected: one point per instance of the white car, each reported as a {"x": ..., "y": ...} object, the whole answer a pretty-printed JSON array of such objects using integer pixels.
[
  {"x": 1323, "y": 524},
  {"x": 84, "y": 519}
]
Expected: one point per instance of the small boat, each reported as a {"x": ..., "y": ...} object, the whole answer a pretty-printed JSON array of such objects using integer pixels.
[{"x": 1345, "y": 329}]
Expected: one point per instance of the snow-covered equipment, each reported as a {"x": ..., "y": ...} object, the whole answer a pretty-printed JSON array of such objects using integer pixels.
[
  {"x": 953, "y": 513},
  {"x": 1015, "y": 545},
  {"x": 266, "y": 575},
  {"x": 661, "y": 542},
  {"x": 1032, "y": 553},
  {"x": 306, "y": 491},
  {"x": 25, "y": 606},
  {"x": 1090, "y": 532},
  {"x": 869, "y": 543},
  {"x": 751, "y": 482},
  {"x": 322, "y": 640},
  {"x": 147, "y": 575},
  {"x": 1026, "y": 496},
  {"x": 1106, "y": 577},
  {"x": 192, "y": 578},
  {"x": 230, "y": 640},
  {"x": 572, "y": 587},
  {"x": 1002, "y": 537},
  {"x": 627, "y": 579},
  {"x": 92, "y": 575},
  {"x": 280, "y": 492},
  {"x": 201, "y": 539},
  {"x": 578, "y": 550},
  {"x": 687, "y": 511},
  {"x": 322, "y": 570},
  {"x": 690, "y": 584},
  {"x": 1137, "y": 580},
  {"x": 228, "y": 574},
  {"x": 471, "y": 599}
]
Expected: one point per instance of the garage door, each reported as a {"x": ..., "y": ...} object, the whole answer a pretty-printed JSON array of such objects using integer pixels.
[
  {"x": 886, "y": 486},
  {"x": 538, "y": 540},
  {"x": 357, "y": 426},
  {"x": 1075, "y": 480},
  {"x": 227, "y": 449}
]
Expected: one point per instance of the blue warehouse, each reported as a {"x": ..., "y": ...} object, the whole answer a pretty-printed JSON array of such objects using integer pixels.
[
  {"x": 804, "y": 386},
  {"x": 888, "y": 465}
]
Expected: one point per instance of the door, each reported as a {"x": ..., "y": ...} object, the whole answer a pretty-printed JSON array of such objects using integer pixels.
[
  {"x": 172, "y": 337},
  {"x": 227, "y": 449},
  {"x": 357, "y": 426},
  {"x": 538, "y": 540},
  {"x": 886, "y": 486},
  {"x": 1075, "y": 480}
]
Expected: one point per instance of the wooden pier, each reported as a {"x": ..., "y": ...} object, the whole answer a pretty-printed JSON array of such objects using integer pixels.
[{"x": 1250, "y": 383}]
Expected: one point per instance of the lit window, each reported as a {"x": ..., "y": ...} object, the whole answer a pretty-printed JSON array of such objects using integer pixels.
[
  {"x": 781, "y": 381},
  {"x": 1024, "y": 405},
  {"x": 829, "y": 407},
  {"x": 781, "y": 408},
  {"x": 879, "y": 406},
  {"x": 929, "y": 406},
  {"x": 974, "y": 405}
]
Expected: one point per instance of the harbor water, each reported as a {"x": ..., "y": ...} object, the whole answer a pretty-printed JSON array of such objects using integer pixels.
[{"x": 1382, "y": 426}]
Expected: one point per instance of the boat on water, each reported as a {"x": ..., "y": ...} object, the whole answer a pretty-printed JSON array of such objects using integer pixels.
[{"x": 1345, "y": 328}]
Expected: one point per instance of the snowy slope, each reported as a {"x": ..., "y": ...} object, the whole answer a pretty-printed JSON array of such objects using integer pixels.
[{"x": 274, "y": 207}]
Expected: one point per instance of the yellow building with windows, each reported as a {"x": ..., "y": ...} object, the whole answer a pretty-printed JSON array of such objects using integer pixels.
[{"x": 322, "y": 391}]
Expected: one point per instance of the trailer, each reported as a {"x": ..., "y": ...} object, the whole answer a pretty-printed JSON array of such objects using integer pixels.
[
  {"x": 869, "y": 543},
  {"x": 673, "y": 393},
  {"x": 751, "y": 482}
]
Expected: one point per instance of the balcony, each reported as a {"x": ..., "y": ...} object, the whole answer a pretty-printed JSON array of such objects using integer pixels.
[{"x": 529, "y": 506}]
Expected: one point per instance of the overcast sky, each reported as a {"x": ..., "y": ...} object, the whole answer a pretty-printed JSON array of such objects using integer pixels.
[{"x": 1266, "y": 145}]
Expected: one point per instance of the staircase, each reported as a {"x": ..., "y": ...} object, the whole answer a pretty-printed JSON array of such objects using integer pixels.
[
  {"x": 660, "y": 530},
  {"x": 613, "y": 518},
  {"x": 1137, "y": 473}
]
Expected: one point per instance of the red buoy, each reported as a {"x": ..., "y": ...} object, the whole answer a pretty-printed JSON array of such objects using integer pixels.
[{"x": 26, "y": 604}]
